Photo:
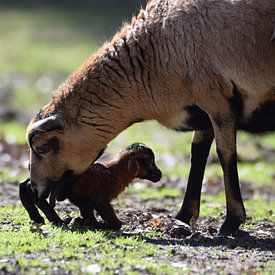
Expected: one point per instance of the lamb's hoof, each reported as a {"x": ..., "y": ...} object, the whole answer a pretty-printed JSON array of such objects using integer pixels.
[{"x": 116, "y": 226}]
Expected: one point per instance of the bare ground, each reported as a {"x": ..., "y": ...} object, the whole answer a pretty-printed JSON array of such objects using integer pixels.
[{"x": 199, "y": 251}]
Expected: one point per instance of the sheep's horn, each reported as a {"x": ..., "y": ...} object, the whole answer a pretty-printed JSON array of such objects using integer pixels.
[{"x": 48, "y": 124}]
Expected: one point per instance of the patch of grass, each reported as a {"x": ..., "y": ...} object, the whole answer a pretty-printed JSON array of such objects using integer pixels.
[
  {"x": 28, "y": 38},
  {"x": 157, "y": 194},
  {"x": 258, "y": 209},
  {"x": 260, "y": 173},
  {"x": 13, "y": 175},
  {"x": 50, "y": 247},
  {"x": 13, "y": 131}
]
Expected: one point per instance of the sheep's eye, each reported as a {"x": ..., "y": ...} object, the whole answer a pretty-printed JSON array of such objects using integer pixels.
[{"x": 43, "y": 149}]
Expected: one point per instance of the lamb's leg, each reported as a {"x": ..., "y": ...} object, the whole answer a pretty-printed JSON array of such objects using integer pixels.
[
  {"x": 44, "y": 206},
  {"x": 201, "y": 144},
  {"x": 28, "y": 203},
  {"x": 88, "y": 216},
  {"x": 106, "y": 211}
]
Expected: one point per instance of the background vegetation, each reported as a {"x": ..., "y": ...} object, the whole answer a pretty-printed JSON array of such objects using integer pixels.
[{"x": 42, "y": 42}]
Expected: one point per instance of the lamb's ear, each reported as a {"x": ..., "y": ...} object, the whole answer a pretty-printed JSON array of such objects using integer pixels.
[
  {"x": 48, "y": 124},
  {"x": 132, "y": 165}
]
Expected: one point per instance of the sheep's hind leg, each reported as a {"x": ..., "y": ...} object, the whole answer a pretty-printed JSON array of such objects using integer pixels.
[
  {"x": 224, "y": 125},
  {"x": 201, "y": 144}
]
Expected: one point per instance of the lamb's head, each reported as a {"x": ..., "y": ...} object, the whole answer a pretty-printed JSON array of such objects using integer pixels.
[
  {"x": 59, "y": 153},
  {"x": 143, "y": 158}
]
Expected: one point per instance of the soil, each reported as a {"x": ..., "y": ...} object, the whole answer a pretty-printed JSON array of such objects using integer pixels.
[{"x": 199, "y": 250}]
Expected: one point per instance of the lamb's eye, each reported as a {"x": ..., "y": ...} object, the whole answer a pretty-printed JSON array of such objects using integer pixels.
[{"x": 43, "y": 149}]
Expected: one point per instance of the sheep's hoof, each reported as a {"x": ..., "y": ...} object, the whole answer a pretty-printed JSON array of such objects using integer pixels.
[
  {"x": 186, "y": 216},
  {"x": 37, "y": 219},
  {"x": 67, "y": 219},
  {"x": 230, "y": 226}
]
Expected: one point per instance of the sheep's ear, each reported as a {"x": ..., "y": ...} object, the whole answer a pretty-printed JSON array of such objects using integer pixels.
[{"x": 48, "y": 124}]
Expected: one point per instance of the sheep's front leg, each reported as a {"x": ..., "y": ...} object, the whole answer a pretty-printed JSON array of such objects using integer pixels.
[
  {"x": 224, "y": 126},
  {"x": 28, "y": 203},
  {"x": 201, "y": 144},
  {"x": 44, "y": 206}
]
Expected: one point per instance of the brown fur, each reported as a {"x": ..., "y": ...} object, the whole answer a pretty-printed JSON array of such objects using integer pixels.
[
  {"x": 103, "y": 182},
  {"x": 173, "y": 56}
]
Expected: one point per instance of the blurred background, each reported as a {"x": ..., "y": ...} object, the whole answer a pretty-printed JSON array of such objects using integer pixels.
[{"x": 42, "y": 42}]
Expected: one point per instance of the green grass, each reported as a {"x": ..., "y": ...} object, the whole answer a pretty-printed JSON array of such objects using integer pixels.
[
  {"x": 52, "y": 43},
  {"x": 39, "y": 40},
  {"x": 47, "y": 247},
  {"x": 13, "y": 131},
  {"x": 258, "y": 209},
  {"x": 72, "y": 250}
]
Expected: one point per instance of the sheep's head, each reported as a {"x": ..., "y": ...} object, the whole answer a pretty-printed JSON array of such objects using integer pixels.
[
  {"x": 144, "y": 158},
  {"x": 58, "y": 152}
]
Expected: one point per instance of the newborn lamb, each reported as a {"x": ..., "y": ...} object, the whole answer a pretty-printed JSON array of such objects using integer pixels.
[{"x": 102, "y": 182}]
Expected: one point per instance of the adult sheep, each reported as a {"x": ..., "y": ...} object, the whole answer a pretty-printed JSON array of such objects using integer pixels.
[{"x": 202, "y": 65}]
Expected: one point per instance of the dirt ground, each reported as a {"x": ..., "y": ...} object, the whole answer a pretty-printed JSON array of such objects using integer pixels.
[{"x": 199, "y": 251}]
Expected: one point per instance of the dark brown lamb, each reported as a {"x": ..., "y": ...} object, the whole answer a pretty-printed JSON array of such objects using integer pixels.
[{"x": 103, "y": 182}]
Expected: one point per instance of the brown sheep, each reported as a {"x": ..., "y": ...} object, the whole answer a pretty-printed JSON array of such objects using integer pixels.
[
  {"x": 193, "y": 65},
  {"x": 104, "y": 181}
]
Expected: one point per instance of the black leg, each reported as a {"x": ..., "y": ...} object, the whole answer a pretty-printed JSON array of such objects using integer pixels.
[
  {"x": 234, "y": 204},
  {"x": 106, "y": 211},
  {"x": 201, "y": 144},
  {"x": 87, "y": 213},
  {"x": 225, "y": 136},
  {"x": 28, "y": 203},
  {"x": 44, "y": 206}
]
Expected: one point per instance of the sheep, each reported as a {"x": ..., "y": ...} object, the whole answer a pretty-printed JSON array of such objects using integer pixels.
[
  {"x": 192, "y": 65},
  {"x": 104, "y": 181},
  {"x": 30, "y": 200}
]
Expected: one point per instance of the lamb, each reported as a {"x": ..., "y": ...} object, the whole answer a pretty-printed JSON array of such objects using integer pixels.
[
  {"x": 104, "y": 181},
  {"x": 193, "y": 65}
]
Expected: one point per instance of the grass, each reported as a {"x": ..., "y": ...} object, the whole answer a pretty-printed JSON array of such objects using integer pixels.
[
  {"x": 72, "y": 250},
  {"x": 43, "y": 46},
  {"x": 32, "y": 34},
  {"x": 76, "y": 249},
  {"x": 13, "y": 131}
]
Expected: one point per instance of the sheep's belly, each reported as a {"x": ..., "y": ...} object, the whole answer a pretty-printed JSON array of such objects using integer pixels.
[{"x": 260, "y": 120}]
